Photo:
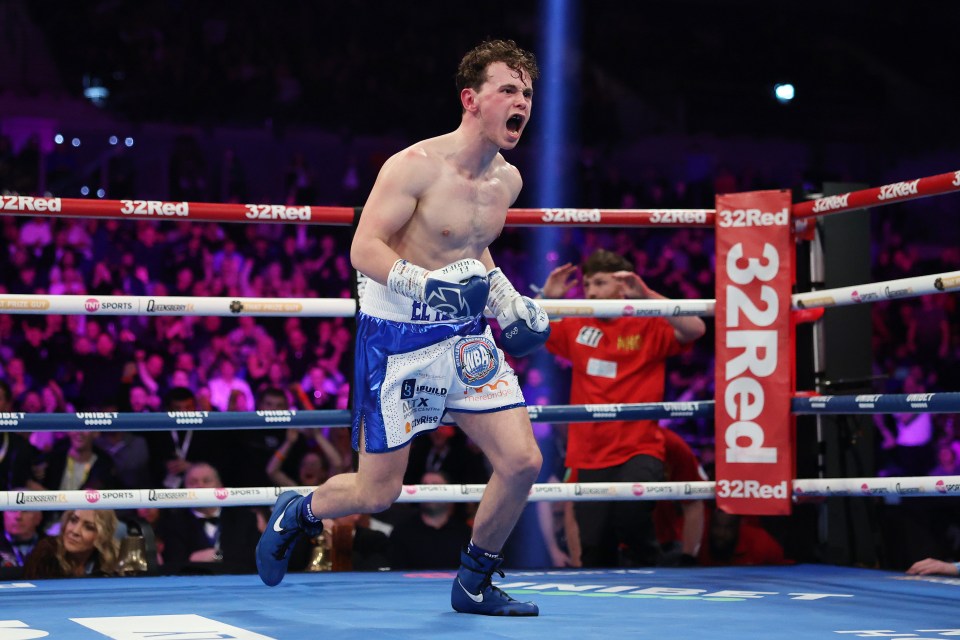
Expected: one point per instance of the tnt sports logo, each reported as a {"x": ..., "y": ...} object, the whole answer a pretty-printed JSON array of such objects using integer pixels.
[
  {"x": 92, "y": 305},
  {"x": 477, "y": 360},
  {"x": 867, "y": 490},
  {"x": 221, "y": 493},
  {"x": 408, "y": 388},
  {"x": 92, "y": 496},
  {"x": 410, "y": 490},
  {"x": 637, "y": 489},
  {"x": 943, "y": 487}
]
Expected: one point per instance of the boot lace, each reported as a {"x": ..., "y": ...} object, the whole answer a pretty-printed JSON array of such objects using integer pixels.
[{"x": 487, "y": 584}]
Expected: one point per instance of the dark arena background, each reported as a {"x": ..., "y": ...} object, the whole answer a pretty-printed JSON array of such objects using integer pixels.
[{"x": 179, "y": 187}]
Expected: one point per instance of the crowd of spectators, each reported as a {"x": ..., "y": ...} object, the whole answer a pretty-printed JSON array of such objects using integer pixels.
[
  {"x": 57, "y": 363},
  {"x": 52, "y": 363}
]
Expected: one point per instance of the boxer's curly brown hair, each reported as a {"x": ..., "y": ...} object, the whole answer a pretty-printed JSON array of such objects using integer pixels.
[{"x": 472, "y": 72}]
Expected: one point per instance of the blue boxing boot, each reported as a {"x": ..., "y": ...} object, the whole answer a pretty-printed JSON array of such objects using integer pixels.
[
  {"x": 284, "y": 527},
  {"x": 473, "y": 592}
]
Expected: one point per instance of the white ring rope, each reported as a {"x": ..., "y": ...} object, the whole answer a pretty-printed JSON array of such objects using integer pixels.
[
  {"x": 346, "y": 307},
  {"x": 573, "y": 308},
  {"x": 873, "y": 292},
  {"x": 545, "y": 492},
  {"x": 177, "y": 306}
]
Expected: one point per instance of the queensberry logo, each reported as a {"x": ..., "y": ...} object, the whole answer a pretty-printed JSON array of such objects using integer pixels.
[
  {"x": 46, "y": 498},
  {"x": 408, "y": 388},
  {"x": 581, "y": 490},
  {"x": 171, "y": 494},
  {"x": 902, "y": 490},
  {"x": 690, "y": 490}
]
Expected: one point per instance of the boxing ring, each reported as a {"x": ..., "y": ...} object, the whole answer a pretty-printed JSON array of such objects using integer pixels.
[
  {"x": 724, "y": 603},
  {"x": 728, "y": 602}
]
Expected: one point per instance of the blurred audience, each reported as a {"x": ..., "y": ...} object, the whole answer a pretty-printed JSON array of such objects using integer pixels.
[
  {"x": 21, "y": 533},
  {"x": 208, "y": 539},
  {"x": 738, "y": 540},
  {"x": 432, "y": 537}
]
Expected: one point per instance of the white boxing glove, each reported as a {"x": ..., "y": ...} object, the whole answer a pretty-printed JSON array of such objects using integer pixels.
[
  {"x": 524, "y": 324},
  {"x": 458, "y": 290}
]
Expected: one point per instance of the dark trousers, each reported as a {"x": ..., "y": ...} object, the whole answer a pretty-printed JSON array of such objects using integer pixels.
[{"x": 617, "y": 533}]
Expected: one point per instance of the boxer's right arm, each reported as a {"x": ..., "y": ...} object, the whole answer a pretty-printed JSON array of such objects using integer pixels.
[{"x": 392, "y": 202}]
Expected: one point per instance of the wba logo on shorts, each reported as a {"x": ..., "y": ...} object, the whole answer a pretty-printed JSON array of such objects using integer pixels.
[{"x": 477, "y": 360}]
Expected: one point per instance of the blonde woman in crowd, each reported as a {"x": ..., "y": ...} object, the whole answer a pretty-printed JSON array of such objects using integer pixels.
[{"x": 85, "y": 546}]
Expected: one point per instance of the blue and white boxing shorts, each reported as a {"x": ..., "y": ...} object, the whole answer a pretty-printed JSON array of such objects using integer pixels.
[{"x": 414, "y": 364}]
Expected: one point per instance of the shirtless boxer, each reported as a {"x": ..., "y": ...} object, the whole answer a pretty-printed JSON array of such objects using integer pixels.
[{"x": 425, "y": 355}]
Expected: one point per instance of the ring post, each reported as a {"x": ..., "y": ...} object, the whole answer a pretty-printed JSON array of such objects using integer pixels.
[{"x": 755, "y": 353}]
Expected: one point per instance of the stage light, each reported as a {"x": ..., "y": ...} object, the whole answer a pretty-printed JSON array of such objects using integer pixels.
[{"x": 784, "y": 92}]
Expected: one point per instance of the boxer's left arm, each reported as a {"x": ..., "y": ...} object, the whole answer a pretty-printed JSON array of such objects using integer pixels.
[{"x": 524, "y": 324}]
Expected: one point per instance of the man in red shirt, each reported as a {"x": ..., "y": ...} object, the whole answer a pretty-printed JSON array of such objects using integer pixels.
[
  {"x": 616, "y": 360},
  {"x": 740, "y": 541},
  {"x": 679, "y": 523}
]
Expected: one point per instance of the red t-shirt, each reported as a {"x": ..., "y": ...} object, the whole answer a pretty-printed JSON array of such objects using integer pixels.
[
  {"x": 681, "y": 466},
  {"x": 615, "y": 360},
  {"x": 755, "y": 546}
]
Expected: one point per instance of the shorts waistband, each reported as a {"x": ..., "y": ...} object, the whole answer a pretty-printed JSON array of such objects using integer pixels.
[{"x": 379, "y": 302}]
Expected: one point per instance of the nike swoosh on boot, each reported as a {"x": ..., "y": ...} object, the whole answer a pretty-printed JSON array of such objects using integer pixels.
[
  {"x": 276, "y": 523},
  {"x": 475, "y": 598}
]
